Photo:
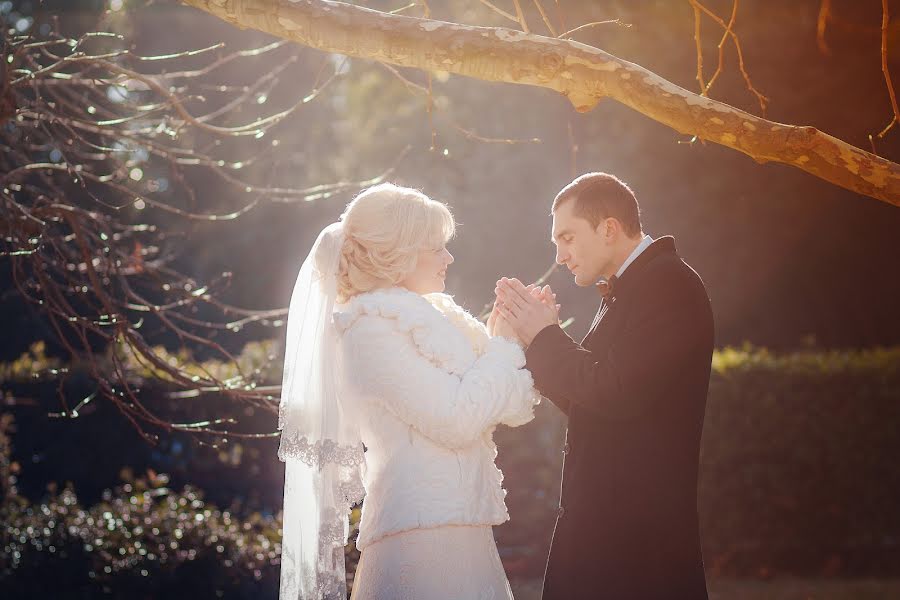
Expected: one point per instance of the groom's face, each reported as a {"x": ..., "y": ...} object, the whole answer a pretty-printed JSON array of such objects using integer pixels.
[{"x": 580, "y": 247}]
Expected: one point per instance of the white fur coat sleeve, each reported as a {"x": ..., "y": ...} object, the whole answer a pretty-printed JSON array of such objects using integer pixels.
[{"x": 453, "y": 407}]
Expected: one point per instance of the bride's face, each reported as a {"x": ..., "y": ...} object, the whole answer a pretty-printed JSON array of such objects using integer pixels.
[{"x": 430, "y": 272}]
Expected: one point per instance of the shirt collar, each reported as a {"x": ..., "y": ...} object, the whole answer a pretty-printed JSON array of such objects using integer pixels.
[{"x": 645, "y": 243}]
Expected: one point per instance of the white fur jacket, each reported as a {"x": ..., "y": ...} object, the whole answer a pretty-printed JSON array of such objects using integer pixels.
[{"x": 429, "y": 387}]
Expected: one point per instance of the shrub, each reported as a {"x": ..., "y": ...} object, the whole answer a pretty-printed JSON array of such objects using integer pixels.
[{"x": 798, "y": 476}]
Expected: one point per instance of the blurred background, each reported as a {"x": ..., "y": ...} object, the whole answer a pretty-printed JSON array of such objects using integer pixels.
[{"x": 799, "y": 482}]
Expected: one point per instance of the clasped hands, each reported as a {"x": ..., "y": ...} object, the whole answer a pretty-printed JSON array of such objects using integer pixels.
[{"x": 520, "y": 312}]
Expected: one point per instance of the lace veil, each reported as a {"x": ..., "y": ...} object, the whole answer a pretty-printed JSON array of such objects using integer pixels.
[{"x": 320, "y": 442}]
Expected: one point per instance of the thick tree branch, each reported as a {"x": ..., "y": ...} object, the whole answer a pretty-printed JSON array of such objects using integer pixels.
[{"x": 581, "y": 73}]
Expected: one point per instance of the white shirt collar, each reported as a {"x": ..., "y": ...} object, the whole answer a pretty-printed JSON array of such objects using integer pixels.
[{"x": 645, "y": 242}]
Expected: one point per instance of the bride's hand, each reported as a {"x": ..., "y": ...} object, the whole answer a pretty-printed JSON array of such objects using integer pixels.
[
  {"x": 502, "y": 328},
  {"x": 492, "y": 319}
]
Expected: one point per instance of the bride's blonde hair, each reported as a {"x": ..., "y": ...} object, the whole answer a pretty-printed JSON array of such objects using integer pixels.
[{"x": 385, "y": 227}]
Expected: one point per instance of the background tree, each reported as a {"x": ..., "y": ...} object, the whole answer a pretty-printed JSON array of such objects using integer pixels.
[{"x": 100, "y": 195}]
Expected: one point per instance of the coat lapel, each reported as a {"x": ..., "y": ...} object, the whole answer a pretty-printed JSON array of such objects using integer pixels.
[
  {"x": 597, "y": 318},
  {"x": 662, "y": 245}
]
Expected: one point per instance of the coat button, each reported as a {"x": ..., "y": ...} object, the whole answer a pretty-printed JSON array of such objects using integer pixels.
[{"x": 560, "y": 511}]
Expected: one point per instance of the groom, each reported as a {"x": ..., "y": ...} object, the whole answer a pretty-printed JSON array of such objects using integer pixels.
[{"x": 634, "y": 391}]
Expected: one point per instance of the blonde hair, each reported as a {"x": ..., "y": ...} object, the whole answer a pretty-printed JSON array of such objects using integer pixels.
[{"x": 385, "y": 227}]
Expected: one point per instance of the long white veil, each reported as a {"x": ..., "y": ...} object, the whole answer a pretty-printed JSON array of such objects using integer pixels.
[{"x": 320, "y": 442}]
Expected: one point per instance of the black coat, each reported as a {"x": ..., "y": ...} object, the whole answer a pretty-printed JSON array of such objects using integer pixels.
[{"x": 634, "y": 392}]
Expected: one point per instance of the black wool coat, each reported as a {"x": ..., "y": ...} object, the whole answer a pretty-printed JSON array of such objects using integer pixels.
[{"x": 634, "y": 392}]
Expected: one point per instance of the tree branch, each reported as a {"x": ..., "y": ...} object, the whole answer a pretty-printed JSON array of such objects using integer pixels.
[
  {"x": 7, "y": 101},
  {"x": 94, "y": 142},
  {"x": 737, "y": 46},
  {"x": 821, "y": 25},
  {"x": 582, "y": 73},
  {"x": 546, "y": 19},
  {"x": 885, "y": 21}
]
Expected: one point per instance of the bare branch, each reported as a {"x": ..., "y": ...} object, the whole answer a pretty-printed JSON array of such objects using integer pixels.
[
  {"x": 499, "y": 10},
  {"x": 885, "y": 21},
  {"x": 583, "y": 74},
  {"x": 546, "y": 19},
  {"x": 91, "y": 133},
  {"x": 721, "y": 48},
  {"x": 697, "y": 18},
  {"x": 821, "y": 25},
  {"x": 763, "y": 101},
  {"x": 415, "y": 88},
  {"x": 520, "y": 16},
  {"x": 567, "y": 34}
]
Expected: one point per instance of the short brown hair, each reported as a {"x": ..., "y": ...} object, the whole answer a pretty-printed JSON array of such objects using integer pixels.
[{"x": 598, "y": 196}]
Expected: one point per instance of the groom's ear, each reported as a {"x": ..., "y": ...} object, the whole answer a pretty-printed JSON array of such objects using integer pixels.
[{"x": 608, "y": 228}]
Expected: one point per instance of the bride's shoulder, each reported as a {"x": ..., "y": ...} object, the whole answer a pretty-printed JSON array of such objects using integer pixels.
[
  {"x": 374, "y": 319},
  {"x": 399, "y": 307}
]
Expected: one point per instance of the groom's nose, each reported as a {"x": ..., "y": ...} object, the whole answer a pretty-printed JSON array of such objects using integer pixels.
[{"x": 561, "y": 256}]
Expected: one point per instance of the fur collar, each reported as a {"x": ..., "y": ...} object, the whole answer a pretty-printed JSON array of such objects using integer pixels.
[{"x": 443, "y": 332}]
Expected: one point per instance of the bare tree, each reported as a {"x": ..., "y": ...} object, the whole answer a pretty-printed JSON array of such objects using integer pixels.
[
  {"x": 581, "y": 73},
  {"x": 98, "y": 134}
]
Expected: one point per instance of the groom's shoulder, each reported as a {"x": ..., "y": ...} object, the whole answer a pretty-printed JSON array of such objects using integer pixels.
[
  {"x": 668, "y": 270},
  {"x": 666, "y": 262}
]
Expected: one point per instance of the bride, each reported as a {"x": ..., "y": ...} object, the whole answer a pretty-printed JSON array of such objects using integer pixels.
[{"x": 392, "y": 391}]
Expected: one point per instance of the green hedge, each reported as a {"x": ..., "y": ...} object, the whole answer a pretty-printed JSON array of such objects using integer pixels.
[
  {"x": 799, "y": 467},
  {"x": 798, "y": 475},
  {"x": 143, "y": 538}
]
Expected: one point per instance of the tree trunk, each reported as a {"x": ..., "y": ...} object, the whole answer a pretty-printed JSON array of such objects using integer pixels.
[{"x": 581, "y": 73}]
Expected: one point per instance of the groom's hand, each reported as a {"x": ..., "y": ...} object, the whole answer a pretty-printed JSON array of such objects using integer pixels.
[{"x": 527, "y": 310}]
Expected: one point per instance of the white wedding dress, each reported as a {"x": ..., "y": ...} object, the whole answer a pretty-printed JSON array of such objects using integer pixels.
[
  {"x": 449, "y": 562},
  {"x": 430, "y": 387}
]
